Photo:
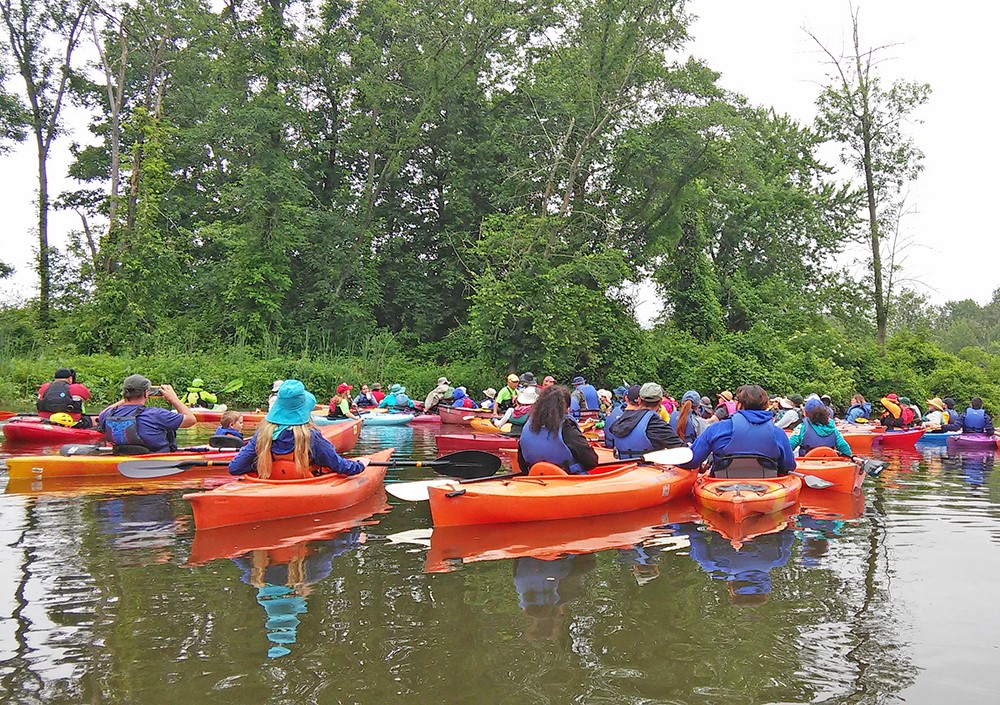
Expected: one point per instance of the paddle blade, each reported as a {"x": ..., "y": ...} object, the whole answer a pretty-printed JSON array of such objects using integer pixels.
[
  {"x": 148, "y": 469},
  {"x": 467, "y": 464},
  {"x": 816, "y": 483},
  {"x": 79, "y": 449},
  {"x": 873, "y": 467},
  {"x": 233, "y": 386},
  {"x": 669, "y": 456},
  {"x": 414, "y": 491}
]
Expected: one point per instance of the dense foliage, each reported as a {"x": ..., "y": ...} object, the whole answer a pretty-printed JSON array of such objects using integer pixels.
[{"x": 381, "y": 190}]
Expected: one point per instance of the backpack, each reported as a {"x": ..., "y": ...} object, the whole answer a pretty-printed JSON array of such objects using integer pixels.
[{"x": 906, "y": 415}]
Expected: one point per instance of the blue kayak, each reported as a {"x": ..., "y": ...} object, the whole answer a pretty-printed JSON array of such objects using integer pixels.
[
  {"x": 386, "y": 419},
  {"x": 937, "y": 438}
]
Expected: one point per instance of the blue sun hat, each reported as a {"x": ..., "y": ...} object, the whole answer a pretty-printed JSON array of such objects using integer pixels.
[
  {"x": 813, "y": 404},
  {"x": 459, "y": 393},
  {"x": 293, "y": 406}
]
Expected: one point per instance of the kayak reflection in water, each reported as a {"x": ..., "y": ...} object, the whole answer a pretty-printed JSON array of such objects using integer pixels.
[
  {"x": 284, "y": 578},
  {"x": 544, "y": 587},
  {"x": 746, "y": 570},
  {"x": 975, "y": 466}
]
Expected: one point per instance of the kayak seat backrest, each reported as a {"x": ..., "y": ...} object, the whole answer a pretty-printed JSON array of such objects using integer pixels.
[
  {"x": 125, "y": 449},
  {"x": 546, "y": 469},
  {"x": 744, "y": 467},
  {"x": 822, "y": 452},
  {"x": 225, "y": 442}
]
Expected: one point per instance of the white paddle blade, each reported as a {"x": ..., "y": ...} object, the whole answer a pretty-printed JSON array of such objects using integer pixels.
[
  {"x": 415, "y": 491},
  {"x": 669, "y": 456}
]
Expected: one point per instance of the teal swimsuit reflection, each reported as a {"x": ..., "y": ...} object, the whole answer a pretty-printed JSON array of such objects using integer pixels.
[{"x": 284, "y": 577}]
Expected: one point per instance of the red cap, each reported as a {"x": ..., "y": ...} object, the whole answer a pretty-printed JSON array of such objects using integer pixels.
[{"x": 341, "y": 388}]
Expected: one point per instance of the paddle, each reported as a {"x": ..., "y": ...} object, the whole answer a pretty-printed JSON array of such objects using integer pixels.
[
  {"x": 817, "y": 483},
  {"x": 869, "y": 466},
  {"x": 71, "y": 449},
  {"x": 465, "y": 461},
  {"x": 417, "y": 491},
  {"x": 234, "y": 386}
]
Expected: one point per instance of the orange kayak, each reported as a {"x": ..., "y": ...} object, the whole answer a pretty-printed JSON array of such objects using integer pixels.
[
  {"x": 604, "y": 455},
  {"x": 486, "y": 426},
  {"x": 551, "y": 540},
  {"x": 860, "y": 440},
  {"x": 741, "y": 498},
  {"x": 232, "y": 541},
  {"x": 209, "y": 416},
  {"x": 547, "y": 492},
  {"x": 250, "y": 499},
  {"x": 343, "y": 437},
  {"x": 826, "y": 464}
]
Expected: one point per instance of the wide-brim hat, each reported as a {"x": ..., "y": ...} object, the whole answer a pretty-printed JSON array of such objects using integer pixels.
[
  {"x": 604, "y": 394},
  {"x": 293, "y": 406},
  {"x": 277, "y": 384},
  {"x": 490, "y": 392},
  {"x": 394, "y": 389},
  {"x": 785, "y": 403},
  {"x": 527, "y": 378},
  {"x": 528, "y": 395},
  {"x": 443, "y": 380},
  {"x": 727, "y": 395},
  {"x": 376, "y": 386},
  {"x": 936, "y": 403},
  {"x": 578, "y": 380}
]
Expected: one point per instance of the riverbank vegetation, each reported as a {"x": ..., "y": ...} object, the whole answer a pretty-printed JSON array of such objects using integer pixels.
[{"x": 388, "y": 191}]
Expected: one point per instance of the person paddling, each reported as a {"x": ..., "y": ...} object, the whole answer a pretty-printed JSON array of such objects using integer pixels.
[
  {"x": 64, "y": 395},
  {"x": 975, "y": 419},
  {"x": 746, "y": 445},
  {"x": 551, "y": 436},
  {"x": 818, "y": 431},
  {"x": 287, "y": 446},
  {"x": 642, "y": 430}
]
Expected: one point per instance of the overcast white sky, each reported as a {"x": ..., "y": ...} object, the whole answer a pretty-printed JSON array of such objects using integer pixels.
[{"x": 761, "y": 51}]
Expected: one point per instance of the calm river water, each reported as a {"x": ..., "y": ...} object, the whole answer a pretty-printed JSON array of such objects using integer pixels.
[{"x": 110, "y": 597}]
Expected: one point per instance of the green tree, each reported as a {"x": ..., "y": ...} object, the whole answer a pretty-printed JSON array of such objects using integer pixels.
[
  {"x": 33, "y": 29},
  {"x": 867, "y": 118}
]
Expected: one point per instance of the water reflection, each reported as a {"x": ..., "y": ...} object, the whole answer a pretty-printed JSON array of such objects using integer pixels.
[
  {"x": 543, "y": 589},
  {"x": 146, "y": 523},
  {"x": 284, "y": 578}
]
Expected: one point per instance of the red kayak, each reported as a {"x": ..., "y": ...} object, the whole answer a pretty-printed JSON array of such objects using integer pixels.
[
  {"x": 34, "y": 429},
  {"x": 426, "y": 418},
  {"x": 489, "y": 442},
  {"x": 899, "y": 439},
  {"x": 461, "y": 416}
]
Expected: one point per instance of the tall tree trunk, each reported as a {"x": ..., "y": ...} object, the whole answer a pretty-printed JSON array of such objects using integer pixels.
[{"x": 44, "y": 284}]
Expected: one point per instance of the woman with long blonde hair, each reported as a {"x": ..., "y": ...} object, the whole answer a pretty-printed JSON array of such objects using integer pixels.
[{"x": 287, "y": 446}]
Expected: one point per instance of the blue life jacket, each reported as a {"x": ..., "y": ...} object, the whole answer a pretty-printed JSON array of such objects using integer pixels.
[
  {"x": 613, "y": 415},
  {"x": 590, "y": 394},
  {"x": 546, "y": 447},
  {"x": 636, "y": 443},
  {"x": 120, "y": 429},
  {"x": 811, "y": 439},
  {"x": 690, "y": 432},
  {"x": 975, "y": 421},
  {"x": 752, "y": 451}
]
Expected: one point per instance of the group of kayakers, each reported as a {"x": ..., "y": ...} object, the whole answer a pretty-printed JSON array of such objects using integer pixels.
[{"x": 741, "y": 431}]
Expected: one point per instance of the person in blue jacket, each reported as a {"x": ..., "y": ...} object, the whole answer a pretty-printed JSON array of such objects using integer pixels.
[
  {"x": 584, "y": 398},
  {"x": 746, "y": 445},
  {"x": 859, "y": 409},
  {"x": 818, "y": 431},
  {"x": 975, "y": 419},
  {"x": 550, "y": 436},
  {"x": 639, "y": 431},
  {"x": 287, "y": 445}
]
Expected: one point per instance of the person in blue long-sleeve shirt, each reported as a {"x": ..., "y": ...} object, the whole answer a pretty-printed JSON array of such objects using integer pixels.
[
  {"x": 748, "y": 432},
  {"x": 286, "y": 446}
]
